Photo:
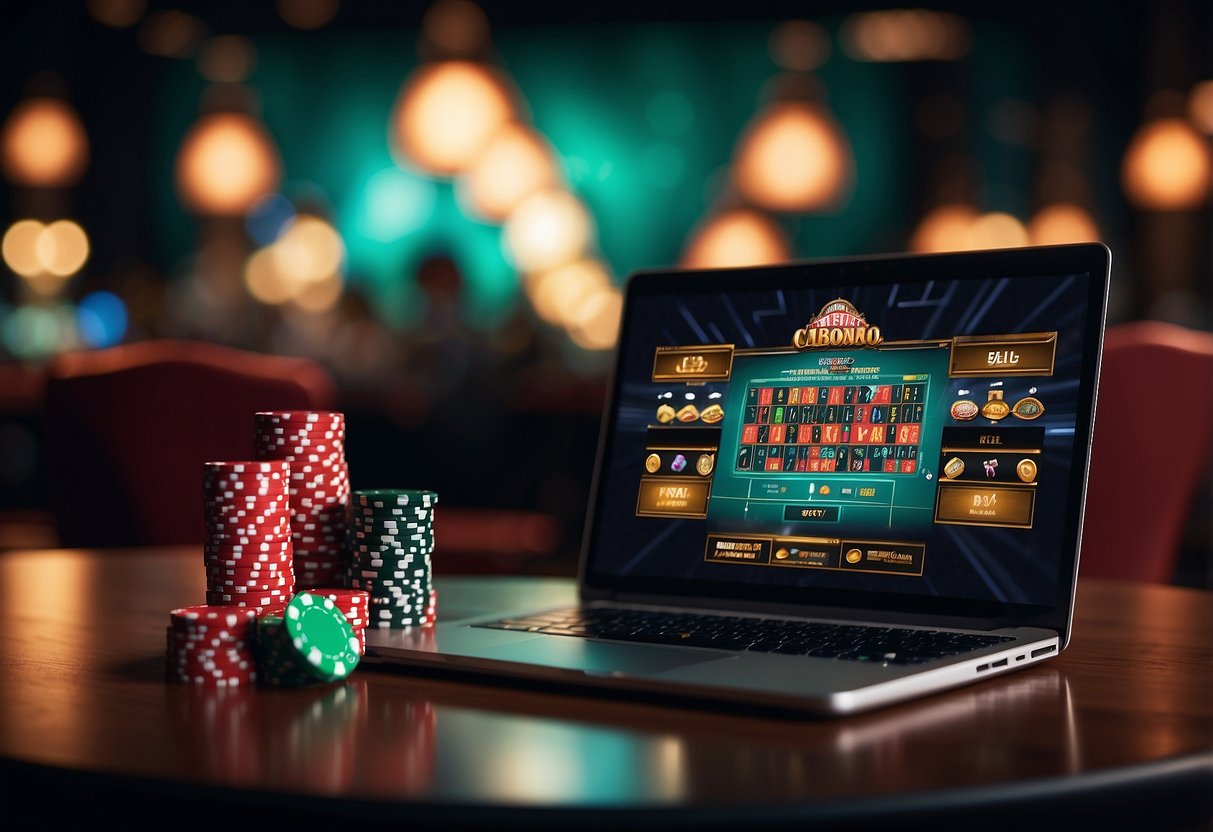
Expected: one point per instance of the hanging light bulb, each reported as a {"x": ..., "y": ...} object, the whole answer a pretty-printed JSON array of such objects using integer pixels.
[
  {"x": 447, "y": 112},
  {"x": 227, "y": 162},
  {"x": 740, "y": 237},
  {"x": 794, "y": 157},
  {"x": 1167, "y": 166}
]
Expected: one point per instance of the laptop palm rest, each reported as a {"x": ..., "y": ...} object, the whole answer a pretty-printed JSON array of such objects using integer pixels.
[{"x": 596, "y": 657}]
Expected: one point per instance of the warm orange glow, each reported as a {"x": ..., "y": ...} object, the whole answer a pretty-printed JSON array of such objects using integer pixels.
[
  {"x": 794, "y": 157},
  {"x": 21, "y": 247},
  {"x": 1061, "y": 223},
  {"x": 307, "y": 14},
  {"x": 997, "y": 230},
  {"x": 227, "y": 59},
  {"x": 457, "y": 28},
  {"x": 263, "y": 280},
  {"x": 946, "y": 228},
  {"x": 548, "y": 229},
  {"x": 800, "y": 45},
  {"x": 516, "y": 163},
  {"x": 905, "y": 35},
  {"x": 1167, "y": 166},
  {"x": 171, "y": 34},
  {"x": 62, "y": 248},
  {"x": 447, "y": 112},
  {"x": 54, "y": 251},
  {"x": 320, "y": 296},
  {"x": 303, "y": 266},
  {"x": 596, "y": 324},
  {"x": 226, "y": 163},
  {"x": 736, "y": 238},
  {"x": 309, "y": 250},
  {"x": 45, "y": 145},
  {"x": 117, "y": 13},
  {"x": 557, "y": 293},
  {"x": 1200, "y": 107}
]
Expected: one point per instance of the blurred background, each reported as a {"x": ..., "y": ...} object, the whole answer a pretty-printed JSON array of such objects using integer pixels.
[{"x": 439, "y": 201}]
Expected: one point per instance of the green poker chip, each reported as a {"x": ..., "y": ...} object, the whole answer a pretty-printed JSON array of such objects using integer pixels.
[{"x": 321, "y": 636}]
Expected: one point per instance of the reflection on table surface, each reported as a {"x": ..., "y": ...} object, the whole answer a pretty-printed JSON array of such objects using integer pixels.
[{"x": 81, "y": 689}]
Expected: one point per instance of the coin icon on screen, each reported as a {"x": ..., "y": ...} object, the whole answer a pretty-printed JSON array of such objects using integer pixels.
[
  {"x": 653, "y": 463},
  {"x": 705, "y": 464},
  {"x": 853, "y": 555}
]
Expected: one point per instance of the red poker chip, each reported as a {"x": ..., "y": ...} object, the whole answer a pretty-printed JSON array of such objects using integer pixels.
[
  {"x": 266, "y": 546},
  {"x": 256, "y": 568},
  {"x": 224, "y": 539},
  {"x": 243, "y": 466},
  {"x": 260, "y": 587},
  {"x": 265, "y": 529},
  {"x": 248, "y": 566},
  {"x": 206, "y": 613}
]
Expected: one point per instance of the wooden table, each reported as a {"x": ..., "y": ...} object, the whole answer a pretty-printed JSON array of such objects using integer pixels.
[{"x": 1119, "y": 727}]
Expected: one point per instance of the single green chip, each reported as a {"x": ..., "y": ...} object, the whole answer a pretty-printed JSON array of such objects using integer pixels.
[{"x": 321, "y": 636}]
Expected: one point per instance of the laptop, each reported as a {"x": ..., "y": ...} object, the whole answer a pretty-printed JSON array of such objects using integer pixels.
[{"x": 824, "y": 486}]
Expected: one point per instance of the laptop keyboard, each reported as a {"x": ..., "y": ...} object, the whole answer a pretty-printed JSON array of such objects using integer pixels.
[{"x": 886, "y": 645}]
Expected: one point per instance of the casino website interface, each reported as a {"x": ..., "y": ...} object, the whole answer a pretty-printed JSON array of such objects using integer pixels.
[{"x": 911, "y": 438}]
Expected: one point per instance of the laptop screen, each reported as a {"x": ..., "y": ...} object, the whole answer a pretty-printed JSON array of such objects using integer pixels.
[{"x": 906, "y": 433}]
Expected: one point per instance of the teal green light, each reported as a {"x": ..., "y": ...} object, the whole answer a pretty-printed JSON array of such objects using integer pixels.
[
  {"x": 644, "y": 120},
  {"x": 394, "y": 204}
]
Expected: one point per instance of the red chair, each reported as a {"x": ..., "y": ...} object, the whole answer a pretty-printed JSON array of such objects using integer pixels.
[
  {"x": 127, "y": 430},
  {"x": 1153, "y": 447}
]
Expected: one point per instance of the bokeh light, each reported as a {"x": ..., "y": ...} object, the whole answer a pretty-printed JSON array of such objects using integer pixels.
[
  {"x": 946, "y": 228},
  {"x": 547, "y": 230},
  {"x": 45, "y": 145},
  {"x": 794, "y": 157},
  {"x": 1200, "y": 107},
  {"x": 267, "y": 219},
  {"x": 516, "y": 163},
  {"x": 264, "y": 281},
  {"x": 45, "y": 255},
  {"x": 101, "y": 319},
  {"x": 905, "y": 35},
  {"x": 119, "y": 14},
  {"x": 394, "y": 204},
  {"x": 447, "y": 112},
  {"x": 308, "y": 14},
  {"x": 1167, "y": 166},
  {"x": 227, "y": 162},
  {"x": 456, "y": 28},
  {"x": 21, "y": 247},
  {"x": 62, "y": 248},
  {"x": 556, "y": 293},
  {"x": 171, "y": 34},
  {"x": 740, "y": 237},
  {"x": 997, "y": 230},
  {"x": 1061, "y": 223},
  {"x": 596, "y": 326},
  {"x": 800, "y": 45},
  {"x": 309, "y": 251},
  {"x": 35, "y": 331},
  {"x": 304, "y": 266},
  {"x": 227, "y": 59}
]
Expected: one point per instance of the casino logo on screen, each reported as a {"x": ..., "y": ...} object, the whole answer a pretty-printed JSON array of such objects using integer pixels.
[{"x": 838, "y": 324}]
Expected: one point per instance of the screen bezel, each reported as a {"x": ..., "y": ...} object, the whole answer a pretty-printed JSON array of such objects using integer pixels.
[{"x": 1090, "y": 258}]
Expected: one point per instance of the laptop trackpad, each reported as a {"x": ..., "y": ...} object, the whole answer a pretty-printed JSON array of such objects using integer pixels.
[{"x": 596, "y": 657}]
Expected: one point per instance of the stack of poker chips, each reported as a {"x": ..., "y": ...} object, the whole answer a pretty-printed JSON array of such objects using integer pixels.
[
  {"x": 212, "y": 646},
  {"x": 354, "y": 604},
  {"x": 248, "y": 535},
  {"x": 391, "y": 539},
  {"x": 311, "y": 642},
  {"x": 313, "y": 442}
]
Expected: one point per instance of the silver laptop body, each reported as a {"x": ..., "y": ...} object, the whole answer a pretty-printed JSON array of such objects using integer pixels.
[{"x": 895, "y": 441}]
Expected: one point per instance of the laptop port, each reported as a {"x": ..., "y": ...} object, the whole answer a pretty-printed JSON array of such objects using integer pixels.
[
  {"x": 982, "y": 667},
  {"x": 1040, "y": 651},
  {"x": 999, "y": 663}
]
